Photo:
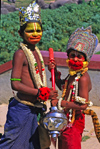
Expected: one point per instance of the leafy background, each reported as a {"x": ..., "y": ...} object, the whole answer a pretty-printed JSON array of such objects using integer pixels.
[{"x": 58, "y": 25}]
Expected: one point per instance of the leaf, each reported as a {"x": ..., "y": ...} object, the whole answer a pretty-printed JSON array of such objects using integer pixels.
[{"x": 84, "y": 138}]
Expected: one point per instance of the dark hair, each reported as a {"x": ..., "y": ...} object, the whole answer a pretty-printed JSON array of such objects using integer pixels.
[{"x": 22, "y": 28}]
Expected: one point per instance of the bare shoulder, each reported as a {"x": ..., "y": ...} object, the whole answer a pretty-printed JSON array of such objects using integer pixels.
[
  {"x": 85, "y": 80},
  {"x": 19, "y": 53},
  {"x": 19, "y": 57},
  {"x": 85, "y": 77}
]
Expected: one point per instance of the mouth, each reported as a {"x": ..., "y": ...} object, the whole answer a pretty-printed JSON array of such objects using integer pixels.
[
  {"x": 35, "y": 37},
  {"x": 75, "y": 65}
]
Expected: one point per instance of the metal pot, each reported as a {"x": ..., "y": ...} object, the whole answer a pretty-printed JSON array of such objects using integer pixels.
[{"x": 55, "y": 122}]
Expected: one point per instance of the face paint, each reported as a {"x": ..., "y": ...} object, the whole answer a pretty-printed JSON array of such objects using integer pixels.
[
  {"x": 76, "y": 60},
  {"x": 33, "y": 33},
  {"x": 75, "y": 65}
]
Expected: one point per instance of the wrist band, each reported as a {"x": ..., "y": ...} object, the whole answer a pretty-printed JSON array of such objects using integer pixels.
[
  {"x": 38, "y": 93},
  {"x": 15, "y": 79},
  {"x": 59, "y": 104}
]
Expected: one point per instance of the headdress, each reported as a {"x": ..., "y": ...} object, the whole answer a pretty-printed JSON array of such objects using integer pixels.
[
  {"x": 83, "y": 40},
  {"x": 30, "y": 14}
]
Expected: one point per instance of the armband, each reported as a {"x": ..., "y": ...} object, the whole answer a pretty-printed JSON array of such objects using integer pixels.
[{"x": 15, "y": 79}]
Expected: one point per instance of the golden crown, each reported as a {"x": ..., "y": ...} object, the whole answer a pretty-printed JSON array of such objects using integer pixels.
[{"x": 30, "y": 14}]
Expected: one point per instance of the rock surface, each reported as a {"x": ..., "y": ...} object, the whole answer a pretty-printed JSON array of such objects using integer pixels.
[
  {"x": 57, "y": 3},
  {"x": 6, "y": 8}
]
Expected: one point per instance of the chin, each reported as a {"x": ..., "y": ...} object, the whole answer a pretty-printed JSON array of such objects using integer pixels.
[
  {"x": 34, "y": 42},
  {"x": 76, "y": 68}
]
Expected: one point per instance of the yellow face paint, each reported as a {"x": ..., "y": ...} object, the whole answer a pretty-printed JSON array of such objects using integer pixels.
[{"x": 33, "y": 33}]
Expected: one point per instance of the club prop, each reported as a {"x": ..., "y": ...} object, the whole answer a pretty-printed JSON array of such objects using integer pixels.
[
  {"x": 55, "y": 120},
  {"x": 51, "y": 55}
]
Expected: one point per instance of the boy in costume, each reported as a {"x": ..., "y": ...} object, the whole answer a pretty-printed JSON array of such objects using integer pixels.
[
  {"x": 76, "y": 86},
  {"x": 28, "y": 78}
]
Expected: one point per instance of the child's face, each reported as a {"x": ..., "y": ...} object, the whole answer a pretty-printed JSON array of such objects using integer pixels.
[
  {"x": 33, "y": 33},
  {"x": 76, "y": 60},
  {"x": 76, "y": 56}
]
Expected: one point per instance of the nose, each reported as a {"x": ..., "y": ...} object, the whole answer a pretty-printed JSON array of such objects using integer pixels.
[
  {"x": 75, "y": 58},
  {"x": 34, "y": 34}
]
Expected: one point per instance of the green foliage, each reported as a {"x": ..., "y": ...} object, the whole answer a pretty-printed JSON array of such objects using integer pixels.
[
  {"x": 98, "y": 52},
  {"x": 9, "y": 38},
  {"x": 58, "y": 25},
  {"x": 84, "y": 138}
]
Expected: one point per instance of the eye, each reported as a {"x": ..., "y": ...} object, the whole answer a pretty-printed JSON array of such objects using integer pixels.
[
  {"x": 38, "y": 31},
  {"x": 79, "y": 56},
  {"x": 72, "y": 55},
  {"x": 30, "y": 31}
]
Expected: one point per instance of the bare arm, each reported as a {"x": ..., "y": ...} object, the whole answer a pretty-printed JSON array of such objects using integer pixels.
[
  {"x": 18, "y": 64},
  {"x": 73, "y": 105}
]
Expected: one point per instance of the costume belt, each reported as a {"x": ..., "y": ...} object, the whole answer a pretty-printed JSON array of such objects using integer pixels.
[{"x": 28, "y": 103}]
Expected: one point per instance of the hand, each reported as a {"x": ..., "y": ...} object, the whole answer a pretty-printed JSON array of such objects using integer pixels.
[
  {"x": 54, "y": 102},
  {"x": 53, "y": 94},
  {"x": 51, "y": 65}
]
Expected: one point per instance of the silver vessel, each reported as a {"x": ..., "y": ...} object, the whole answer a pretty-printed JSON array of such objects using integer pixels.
[{"x": 55, "y": 122}]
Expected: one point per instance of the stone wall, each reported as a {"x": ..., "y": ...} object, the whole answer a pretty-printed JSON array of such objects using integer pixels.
[{"x": 5, "y": 87}]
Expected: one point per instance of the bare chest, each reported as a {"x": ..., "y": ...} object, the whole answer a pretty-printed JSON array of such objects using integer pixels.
[{"x": 26, "y": 65}]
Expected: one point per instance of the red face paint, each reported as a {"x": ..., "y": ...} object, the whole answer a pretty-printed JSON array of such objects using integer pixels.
[
  {"x": 34, "y": 40},
  {"x": 75, "y": 65}
]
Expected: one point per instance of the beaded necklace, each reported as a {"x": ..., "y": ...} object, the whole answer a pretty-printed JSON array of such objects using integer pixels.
[
  {"x": 73, "y": 95},
  {"x": 34, "y": 67}
]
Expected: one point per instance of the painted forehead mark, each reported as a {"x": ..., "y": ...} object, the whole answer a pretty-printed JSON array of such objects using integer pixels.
[{"x": 34, "y": 26}]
